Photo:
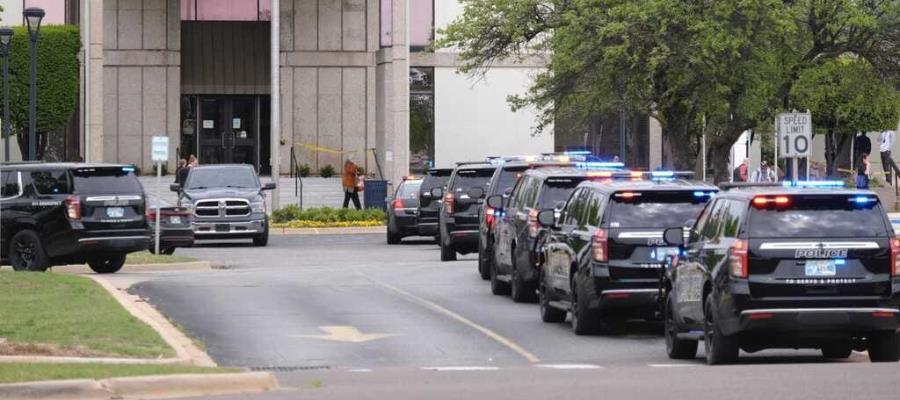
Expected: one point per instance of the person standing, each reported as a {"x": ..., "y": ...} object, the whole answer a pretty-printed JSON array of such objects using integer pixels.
[
  {"x": 862, "y": 172},
  {"x": 887, "y": 142},
  {"x": 861, "y": 144},
  {"x": 349, "y": 179},
  {"x": 764, "y": 173},
  {"x": 181, "y": 172}
]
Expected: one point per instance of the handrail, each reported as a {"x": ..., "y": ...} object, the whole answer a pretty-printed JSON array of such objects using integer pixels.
[
  {"x": 895, "y": 176},
  {"x": 295, "y": 174}
]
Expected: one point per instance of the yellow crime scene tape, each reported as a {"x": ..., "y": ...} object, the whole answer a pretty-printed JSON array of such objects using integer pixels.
[{"x": 321, "y": 149}]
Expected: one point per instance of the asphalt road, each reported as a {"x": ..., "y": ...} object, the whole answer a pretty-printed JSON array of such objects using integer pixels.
[{"x": 351, "y": 317}]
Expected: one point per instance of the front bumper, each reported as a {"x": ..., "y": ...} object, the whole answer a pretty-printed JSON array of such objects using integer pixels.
[{"x": 228, "y": 229}]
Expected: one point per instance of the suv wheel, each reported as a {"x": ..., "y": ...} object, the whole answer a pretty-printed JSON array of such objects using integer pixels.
[
  {"x": 262, "y": 240},
  {"x": 109, "y": 264},
  {"x": 521, "y": 291},
  {"x": 549, "y": 313},
  {"x": 836, "y": 351},
  {"x": 484, "y": 262},
  {"x": 884, "y": 347},
  {"x": 498, "y": 287},
  {"x": 584, "y": 322},
  {"x": 392, "y": 238},
  {"x": 720, "y": 349},
  {"x": 677, "y": 349},
  {"x": 447, "y": 252},
  {"x": 26, "y": 253}
]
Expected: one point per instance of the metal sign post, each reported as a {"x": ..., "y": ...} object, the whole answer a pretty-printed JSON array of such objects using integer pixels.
[
  {"x": 159, "y": 153},
  {"x": 795, "y": 139}
]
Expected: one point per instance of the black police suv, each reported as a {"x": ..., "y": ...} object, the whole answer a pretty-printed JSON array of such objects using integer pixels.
[
  {"x": 603, "y": 254},
  {"x": 429, "y": 205},
  {"x": 402, "y": 212},
  {"x": 518, "y": 234},
  {"x": 776, "y": 267},
  {"x": 66, "y": 213},
  {"x": 458, "y": 223},
  {"x": 505, "y": 177}
]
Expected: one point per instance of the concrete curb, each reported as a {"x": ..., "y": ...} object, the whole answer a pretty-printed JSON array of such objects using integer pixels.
[
  {"x": 184, "y": 266},
  {"x": 184, "y": 347},
  {"x": 142, "y": 387},
  {"x": 329, "y": 231}
]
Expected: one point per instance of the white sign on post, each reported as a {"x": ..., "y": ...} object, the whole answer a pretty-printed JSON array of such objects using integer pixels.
[
  {"x": 794, "y": 135},
  {"x": 159, "y": 152},
  {"x": 160, "y": 149}
]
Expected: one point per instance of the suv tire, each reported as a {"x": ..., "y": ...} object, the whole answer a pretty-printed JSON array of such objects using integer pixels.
[
  {"x": 720, "y": 349},
  {"x": 26, "y": 253},
  {"x": 262, "y": 240},
  {"x": 837, "y": 351},
  {"x": 498, "y": 287},
  {"x": 484, "y": 262},
  {"x": 677, "y": 349},
  {"x": 549, "y": 313},
  {"x": 109, "y": 264},
  {"x": 447, "y": 252},
  {"x": 520, "y": 291},
  {"x": 584, "y": 322},
  {"x": 392, "y": 238},
  {"x": 884, "y": 347}
]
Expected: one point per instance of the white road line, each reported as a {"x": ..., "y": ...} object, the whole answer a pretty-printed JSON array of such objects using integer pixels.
[
  {"x": 359, "y": 370},
  {"x": 459, "y": 318},
  {"x": 568, "y": 366},
  {"x": 671, "y": 365},
  {"x": 460, "y": 369}
]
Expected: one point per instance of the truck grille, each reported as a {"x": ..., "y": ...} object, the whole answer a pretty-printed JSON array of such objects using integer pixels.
[{"x": 222, "y": 208}]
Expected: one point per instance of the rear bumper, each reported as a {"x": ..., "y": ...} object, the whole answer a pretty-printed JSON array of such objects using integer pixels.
[
  {"x": 121, "y": 242},
  {"x": 404, "y": 224},
  {"x": 814, "y": 320},
  {"x": 638, "y": 295},
  {"x": 175, "y": 238}
]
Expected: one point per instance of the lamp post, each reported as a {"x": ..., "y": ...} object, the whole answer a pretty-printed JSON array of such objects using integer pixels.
[
  {"x": 33, "y": 17},
  {"x": 5, "y": 38}
]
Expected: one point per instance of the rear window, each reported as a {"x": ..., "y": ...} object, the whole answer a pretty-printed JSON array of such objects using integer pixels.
[
  {"x": 409, "y": 189},
  {"x": 819, "y": 217},
  {"x": 469, "y": 178},
  {"x": 655, "y": 210},
  {"x": 51, "y": 182},
  {"x": 557, "y": 190},
  {"x": 107, "y": 181},
  {"x": 508, "y": 178},
  {"x": 438, "y": 180}
]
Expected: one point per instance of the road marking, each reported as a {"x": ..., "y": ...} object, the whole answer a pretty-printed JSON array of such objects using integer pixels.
[
  {"x": 459, "y": 318},
  {"x": 671, "y": 365},
  {"x": 347, "y": 334},
  {"x": 359, "y": 370},
  {"x": 569, "y": 366},
  {"x": 460, "y": 369}
]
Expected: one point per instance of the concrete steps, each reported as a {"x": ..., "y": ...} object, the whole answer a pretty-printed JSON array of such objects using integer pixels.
[{"x": 888, "y": 197}]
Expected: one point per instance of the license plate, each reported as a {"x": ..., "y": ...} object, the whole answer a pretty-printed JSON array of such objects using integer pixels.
[
  {"x": 821, "y": 268},
  {"x": 223, "y": 228},
  {"x": 115, "y": 212},
  {"x": 175, "y": 220},
  {"x": 662, "y": 253}
]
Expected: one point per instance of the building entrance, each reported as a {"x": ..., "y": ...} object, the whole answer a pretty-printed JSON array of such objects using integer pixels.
[{"x": 228, "y": 130}]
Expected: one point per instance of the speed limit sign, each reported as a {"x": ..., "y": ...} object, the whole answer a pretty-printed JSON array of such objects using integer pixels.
[{"x": 794, "y": 134}]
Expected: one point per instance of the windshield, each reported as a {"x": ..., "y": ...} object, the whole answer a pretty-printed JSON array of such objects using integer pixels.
[
  {"x": 409, "y": 189},
  {"x": 557, "y": 191},
  {"x": 655, "y": 210},
  {"x": 812, "y": 217},
  {"x": 107, "y": 181},
  {"x": 434, "y": 181},
  {"x": 508, "y": 178},
  {"x": 470, "y": 178},
  {"x": 225, "y": 177}
]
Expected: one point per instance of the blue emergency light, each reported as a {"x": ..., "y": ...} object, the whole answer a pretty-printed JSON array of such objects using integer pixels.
[
  {"x": 703, "y": 194},
  {"x": 128, "y": 169},
  {"x": 577, "y": 153},
  {"x": 663, "y": 174},
  {"x": 863, "y": 199}
]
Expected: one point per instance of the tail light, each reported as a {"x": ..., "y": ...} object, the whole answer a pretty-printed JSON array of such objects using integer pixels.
[
  {"x": 600, "y": 245},
  {"x": 449, "y": 201},
  {"x": 398, "y": 204},
  {"x": 895, "y": 257},
  {"x": 738, "y": 259},
  {"x": 489, "y": 216},
  {"x": 151, "y": 215},
  {"x": 73, "y": 207},
  {"x": 533, "y": 226}
]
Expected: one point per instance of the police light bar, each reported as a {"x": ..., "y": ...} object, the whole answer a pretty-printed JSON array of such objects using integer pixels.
[
  {"x": 128, "y": 169},
  {"x": 578, "y": 152},
  {"x": 814, "y": 184},
  {"x": 704, "y": 194},
  {"x": 600, "y": 165},
  {"x": 863, "y": 199}
]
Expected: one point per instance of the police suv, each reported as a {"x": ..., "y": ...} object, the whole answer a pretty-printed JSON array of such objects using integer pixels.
[
  {"x": 804, "y": 265},
  {"x": 604, "y": 252},
  {"x": 458, "y": 216},
  {"x": 66, "y": 213}
]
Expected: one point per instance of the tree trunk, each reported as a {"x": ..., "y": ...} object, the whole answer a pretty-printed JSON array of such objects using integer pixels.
[
  {"x": 42, "y": 139},
  {"x": 830, "y": 152},
  {"x": 719, "y": 154}
]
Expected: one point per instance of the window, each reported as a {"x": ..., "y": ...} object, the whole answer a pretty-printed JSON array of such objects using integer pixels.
[
  {"x": 701, "y": 221},
  {"x": 819, "y": 217},
  {"x": 574, "y": 207},
  {"x": 51, "y": 182},
  {"x": 387, "y": 23},
  {"x": 421, "y": 24},
  {"x": 593, "y": 210},
  {"x": 10, "y": 185},
  {"x": 734, "y": 216},
  {"x": 226, "y": 10},
  {"x": 710, "y": 229},
  {"x": 421, "y": 119}
]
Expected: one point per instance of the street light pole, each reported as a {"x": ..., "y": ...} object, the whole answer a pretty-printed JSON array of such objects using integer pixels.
[
  {"x": 33, "y": 17},
  {"x": 5, "y": 39}
]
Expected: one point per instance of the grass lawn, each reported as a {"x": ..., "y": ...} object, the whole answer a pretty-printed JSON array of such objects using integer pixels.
[
  {"x": 146, "y": 257},
  {"x": 20, "y": 372},
  {"x": 66, "y": 315}
]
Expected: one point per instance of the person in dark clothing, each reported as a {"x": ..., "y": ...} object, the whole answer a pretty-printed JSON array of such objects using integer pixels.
[
  {"x": 861, "y": 144},
  {"x": 350, "y": 182},
  {"x": 181, "y": 172},
  {"x": 862, "y": 172}
]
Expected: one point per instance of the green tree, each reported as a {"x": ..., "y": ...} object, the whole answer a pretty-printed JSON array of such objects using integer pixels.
[
  {"x": 845, "y": 96},
  {"x": 57, "y": 81}
]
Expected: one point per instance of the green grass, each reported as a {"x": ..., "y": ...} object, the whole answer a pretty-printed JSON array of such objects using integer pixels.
[
  {"x": 146, "y": 257},
  {"x": 58, "y": 314},
  {"x": 22, "y": 372}
]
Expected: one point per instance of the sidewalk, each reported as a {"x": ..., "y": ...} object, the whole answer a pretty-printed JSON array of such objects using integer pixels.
[{"x": 317, "y": 192}]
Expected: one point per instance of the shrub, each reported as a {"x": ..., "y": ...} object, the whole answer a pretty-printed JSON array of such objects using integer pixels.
[
  {"x": 326, "y": 171},
  {"x": 303, "y": 170},
  {"x": 326, "y": 215}
]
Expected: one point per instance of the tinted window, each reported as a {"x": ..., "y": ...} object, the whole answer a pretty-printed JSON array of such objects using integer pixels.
[
  {"x": 701, "y": 222},
  {"x": 469, "y": 178},
  {"x": 557, "y": 190},
  {"x": 106, "y": 181},
  {"x": 818, "y": 217},
  {"x": 236, "y": 177},
  {"x": 575, "y": 206},
  {"x": 10, "y": 184},
  {"x": 507, "y": 179},
  {"x": 409, "y": 189},
  {"x": 434, "y": 180},
  {"x": 51, "y": 182},
  {"x": 733, "y": 216},
  {"x": 654, "y": 210}
]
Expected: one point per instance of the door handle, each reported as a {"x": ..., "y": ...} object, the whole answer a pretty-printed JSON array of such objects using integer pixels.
[{"x": 223, "y": 140}]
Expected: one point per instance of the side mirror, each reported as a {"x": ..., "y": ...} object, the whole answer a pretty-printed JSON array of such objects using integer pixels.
[
  {"x": 674, "y": 236},
  {"x": 559, "y": 205},
  {"x": 507, "y": 192},
  {"x": 689, "y": 223},
  {"x": 547, "y": 218},
  {"x": 495, "y": 201},
  {"x": 175, "y": 187},
  {"x": 269, "y": 186},
  {"x": 437, "y": 192},
  {"x": 475, "y": 193}
]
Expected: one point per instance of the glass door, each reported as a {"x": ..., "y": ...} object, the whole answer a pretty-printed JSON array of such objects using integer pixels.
[
  {"x": 211, "y": 141},
  {"x": 244, "y": 141},
  {"x": 229, "y": 131}
]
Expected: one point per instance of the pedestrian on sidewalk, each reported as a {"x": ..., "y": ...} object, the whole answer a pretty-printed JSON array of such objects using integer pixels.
[
  {"x": 349, "y": 179},
  {"x": 862, "y": 172},
  {"x": 887, "y": 142},
  {"x": 764, "y": 173},
  {"x": 181, "y": 171}
]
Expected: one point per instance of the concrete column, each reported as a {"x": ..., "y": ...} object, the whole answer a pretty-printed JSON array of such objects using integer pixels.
[
  {"x": 275, "y": 125},
  {"x": 396, "y": 151},
  {"x": 655, "y": 145},
  {"x": 92, "y": 120}
]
